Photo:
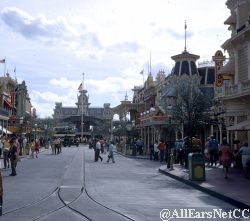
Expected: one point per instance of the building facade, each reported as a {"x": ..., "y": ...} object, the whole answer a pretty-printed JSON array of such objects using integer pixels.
[
  {"x": 83, "y": 115},
  {"x": 233, "y": 91},
  {"x": 15, "y": 106}
]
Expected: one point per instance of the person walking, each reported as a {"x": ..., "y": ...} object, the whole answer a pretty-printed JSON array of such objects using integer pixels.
[
  {"x": 206, "y": 152},
  {"x": 245, "y": 158},
  {"x": 161, "y": 147},
  {"x": 213, "y": 150},
  {"x": 151, "y": 147},
  {"x": 13, "y": 154},
  {"x": 156, "y": 151},
  {"x": 111, "y": 152},
  {"x": 97, "y": 151},
  {"x": 225, "y": 154},
  {"x": 179, "y": 151},
  {"x": 25, "y": 141},
  {"x": 32, "y": 147},
  {"x": 37, "y": 146},
  {"x": 6, "y": 149}
]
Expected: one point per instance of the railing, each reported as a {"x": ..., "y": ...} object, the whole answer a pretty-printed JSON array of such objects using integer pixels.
[
  {"x": 234, "y": 90},
  {"x": 154, "y": 120}
]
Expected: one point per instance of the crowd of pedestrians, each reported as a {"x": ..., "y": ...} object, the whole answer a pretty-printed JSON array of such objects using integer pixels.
[
  {"x": 10, "y": 148},
  {"x": 215, "y": 153},
  {"x": 102, "y": 147}
]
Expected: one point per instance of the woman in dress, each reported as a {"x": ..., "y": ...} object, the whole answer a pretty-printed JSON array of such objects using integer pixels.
[{"x": 225, "y": 156}]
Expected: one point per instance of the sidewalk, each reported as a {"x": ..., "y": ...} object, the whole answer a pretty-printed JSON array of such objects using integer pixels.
[
  {"x": 42, "y": 149},
  {"x": 234, "y": 190}
]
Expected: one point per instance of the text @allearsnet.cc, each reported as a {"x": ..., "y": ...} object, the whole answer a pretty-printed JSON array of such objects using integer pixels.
[{"x": 209, "y": 214}]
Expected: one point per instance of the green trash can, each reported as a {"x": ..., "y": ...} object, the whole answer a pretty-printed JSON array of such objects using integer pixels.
[{"x": 196, "y": 165}]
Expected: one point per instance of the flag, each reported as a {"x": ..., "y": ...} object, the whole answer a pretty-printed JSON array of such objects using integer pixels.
[
  {"x": 141, "y": 72},
  {"x": 2, "y": 61},
  {"x": 185, "y": 25},
  {"x": 15, "y": 70},
  {"x": 80, "y": 88}
]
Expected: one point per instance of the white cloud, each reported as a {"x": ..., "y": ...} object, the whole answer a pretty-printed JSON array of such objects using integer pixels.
[
  {"x": 49, "y": 30},
  {"x": 56, "y": 40},
  {"x": 63, "y": 82}
]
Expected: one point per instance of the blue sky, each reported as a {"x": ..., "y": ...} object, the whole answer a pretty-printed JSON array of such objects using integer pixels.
[{"x": 51, "y": 43}]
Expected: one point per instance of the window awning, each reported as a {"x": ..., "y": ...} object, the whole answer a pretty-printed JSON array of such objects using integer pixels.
[
  {"x": 228, "y": 68},
  {"x": 244, "y": 125}
]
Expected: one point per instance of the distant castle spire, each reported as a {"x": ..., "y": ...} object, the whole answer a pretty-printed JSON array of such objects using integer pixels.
[{"x": 126, "y": 96}]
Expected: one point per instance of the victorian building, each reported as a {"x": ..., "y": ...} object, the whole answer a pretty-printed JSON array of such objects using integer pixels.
[
  {"x": 83, "y": 115},
  {"x": 233, "y": 79},
  {"x": 15, "y": 106}
]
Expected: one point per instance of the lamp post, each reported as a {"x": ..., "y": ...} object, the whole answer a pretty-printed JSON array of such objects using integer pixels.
[
  {"x": 35, "y": 130},
  {"x": 21, "y": 135},
  {"x": 170, "y": 142},
  {"x": 45, "y": 135}
]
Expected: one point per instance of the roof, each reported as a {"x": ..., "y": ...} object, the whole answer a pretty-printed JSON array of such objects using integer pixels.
[
  {"x": 231, "y": 19},
  {"x": 244, "y": 125},
  {"x": 170, "y": 92}
]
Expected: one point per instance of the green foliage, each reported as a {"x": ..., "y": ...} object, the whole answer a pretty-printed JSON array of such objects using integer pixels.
[{"x": 191, "y": 106}]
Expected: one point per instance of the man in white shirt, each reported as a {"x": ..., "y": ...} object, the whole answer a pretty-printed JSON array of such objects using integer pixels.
[{"x": 97, "y": 151}]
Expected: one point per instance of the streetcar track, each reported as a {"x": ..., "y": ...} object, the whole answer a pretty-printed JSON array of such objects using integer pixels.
[
  {"x": 32, "y": 203},
  {"x": 67, "y": 204}
]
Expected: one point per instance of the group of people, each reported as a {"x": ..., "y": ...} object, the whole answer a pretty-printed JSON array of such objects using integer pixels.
[
  {"x": 101, "y": 146},
  {"x": 157, "y": 150},
  {"x": 214, "y": 152},
  {"x": 10, "y": 147},
  {"x": 56, "y": 146},
  {"x": 224, "y": 155}
]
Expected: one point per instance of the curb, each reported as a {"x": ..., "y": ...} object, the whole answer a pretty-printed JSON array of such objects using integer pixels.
[
  {"x": 218, "y": 195},
  {"x": 131, "y": 156}
]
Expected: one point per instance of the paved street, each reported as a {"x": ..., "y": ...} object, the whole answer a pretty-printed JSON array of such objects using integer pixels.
[{"x": 71, "y": 186}]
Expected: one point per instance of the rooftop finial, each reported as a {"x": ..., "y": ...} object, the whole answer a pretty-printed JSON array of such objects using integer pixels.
[
  {"x": 185, "y": 27},
  {"x": 126, "y": 96},
  {"x": 83, "y": 80},
  {"x": 150, "y": 63}
]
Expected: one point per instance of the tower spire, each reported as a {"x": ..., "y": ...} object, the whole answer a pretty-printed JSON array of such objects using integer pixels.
[
  {"x": 83, "y": 80},
  {"x": 185, "y": 27},
  {"x": 149, "y": 63}
]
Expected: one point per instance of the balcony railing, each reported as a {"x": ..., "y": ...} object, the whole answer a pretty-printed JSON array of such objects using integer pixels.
[{"x": 237, "y": 90}]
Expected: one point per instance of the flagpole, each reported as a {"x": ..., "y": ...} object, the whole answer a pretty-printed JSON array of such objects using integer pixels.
[
  {"x": 185, "y": 27},
  {"x": 143, "y": 77},
  {"x": 150, "y": 63},
  {"x": 4, "y": 66},
  {"x": 82, "y": 107}
]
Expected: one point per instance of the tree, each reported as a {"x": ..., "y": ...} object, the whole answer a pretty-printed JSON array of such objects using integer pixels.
[{"x": 191, "y": 105}]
